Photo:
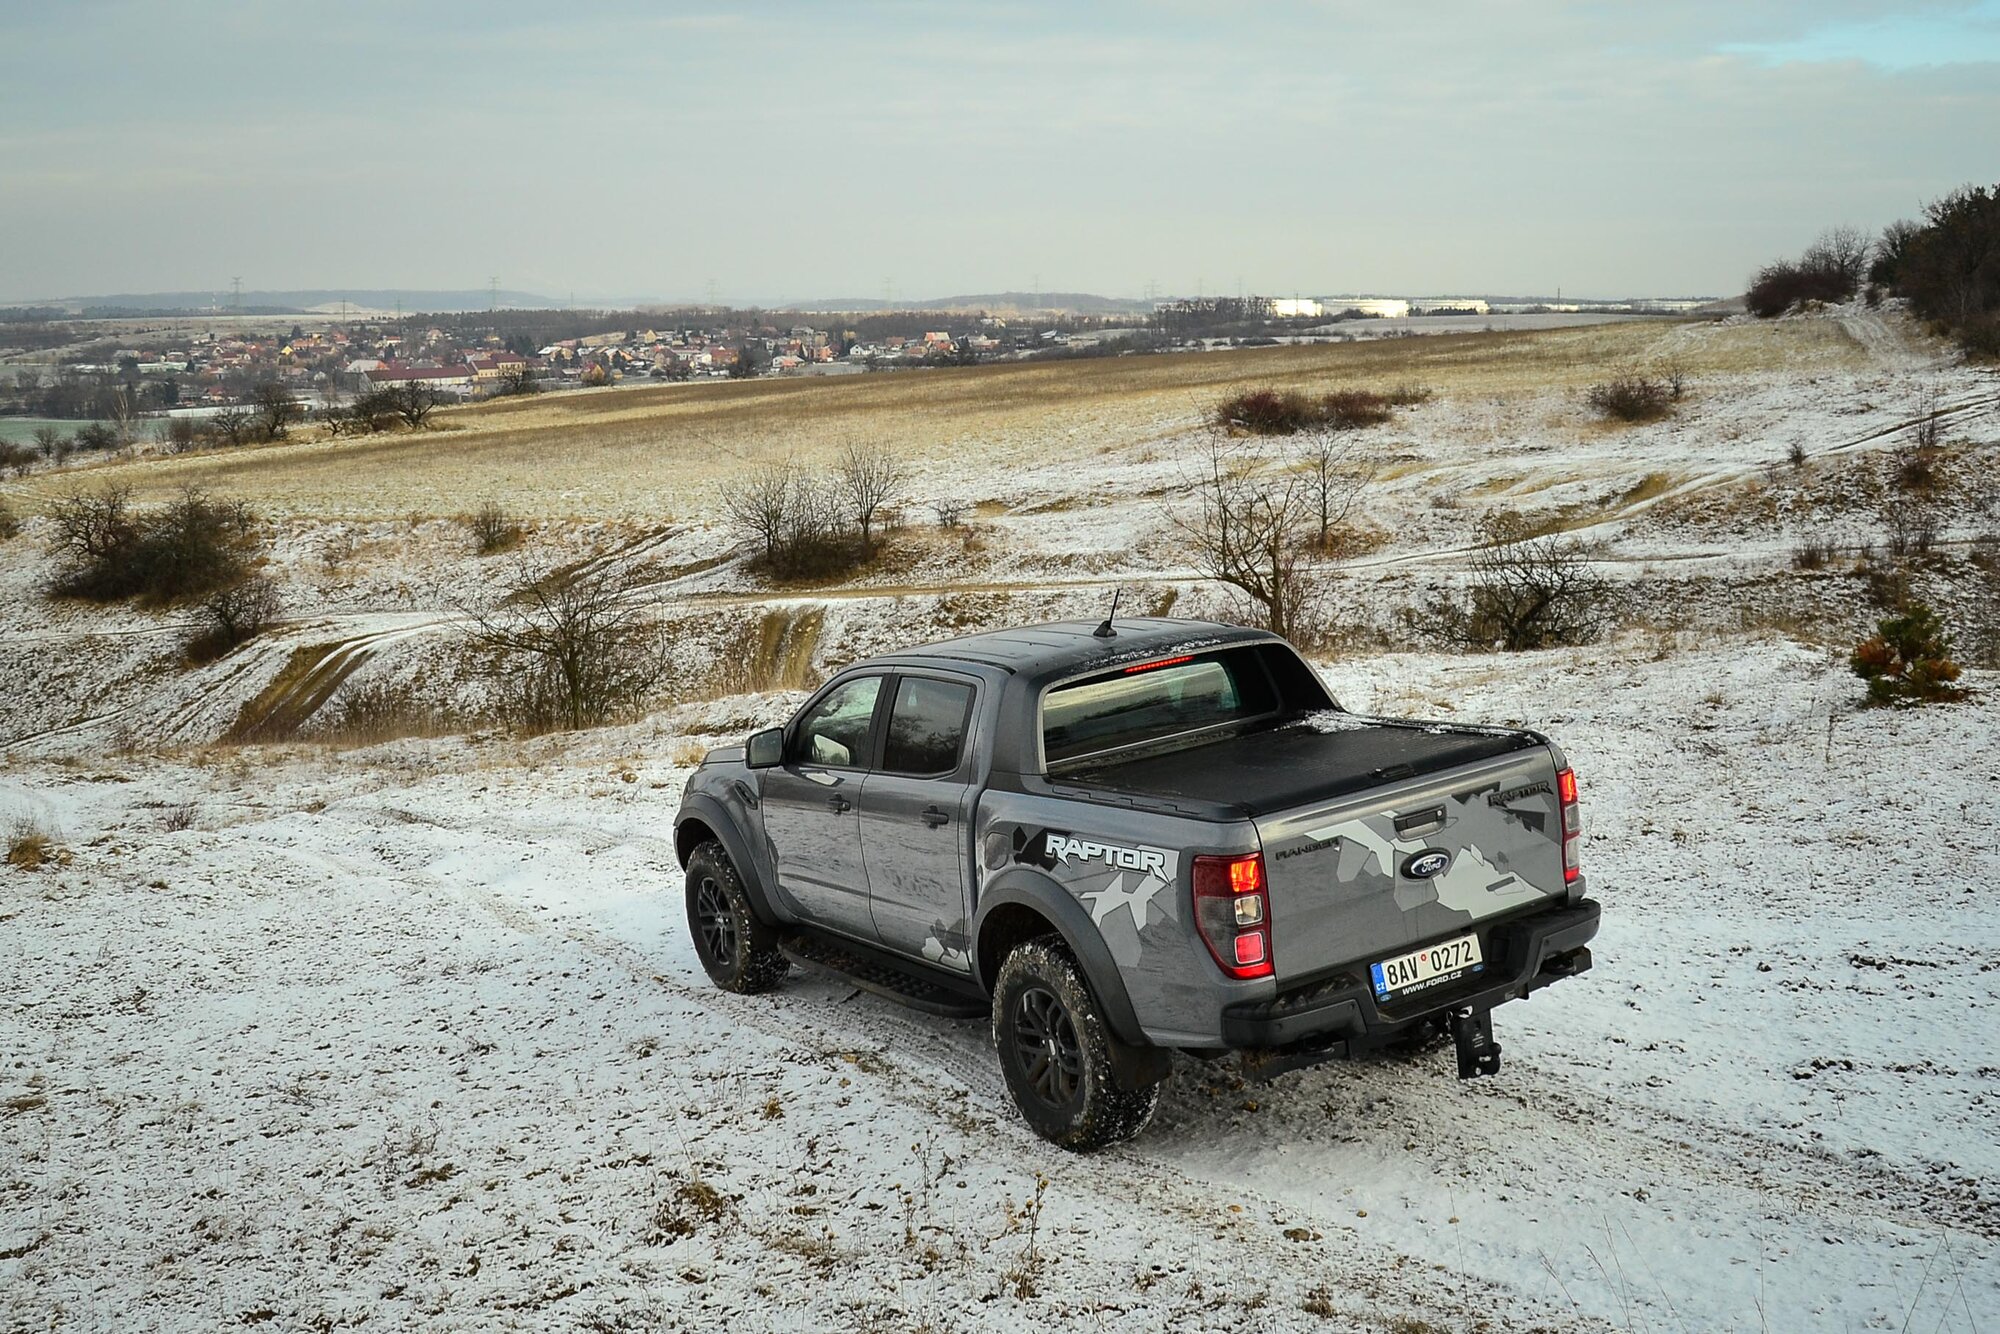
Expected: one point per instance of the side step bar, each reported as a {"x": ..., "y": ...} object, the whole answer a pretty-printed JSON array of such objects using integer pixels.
[{"x": 872, "y": 970}]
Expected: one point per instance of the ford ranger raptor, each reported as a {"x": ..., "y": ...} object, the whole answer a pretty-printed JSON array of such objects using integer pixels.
[{"x": 1121, "y": 840}]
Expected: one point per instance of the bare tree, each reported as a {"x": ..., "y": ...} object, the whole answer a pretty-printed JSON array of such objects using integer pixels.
[
  {"x": 516, "y": 380},
  {"x": 273, "y": 410},
  {"x": 1841, "y": 255},
  {"x": 572, "y": 649},
  {"x": 760, "y": 506},
  {"x": 1251, "y": 532},
  {"x": 95, "y": 526},
  {"x": 1333, "y": 483},
  {"x": 231, "y": 426},
  {"x": 869, "y": 478},
  {"x": 414, "y": 401}
]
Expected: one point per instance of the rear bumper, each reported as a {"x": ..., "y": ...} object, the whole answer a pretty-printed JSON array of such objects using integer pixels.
[{"x": 1339, "y": 1016}]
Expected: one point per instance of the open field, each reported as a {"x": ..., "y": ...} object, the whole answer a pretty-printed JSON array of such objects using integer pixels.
[
  {"x": 307, "y": 1032},
  {"x": 654, "y": 452}
]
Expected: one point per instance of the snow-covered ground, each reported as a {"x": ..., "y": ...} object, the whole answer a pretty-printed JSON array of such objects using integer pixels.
[
  {"x": 413, "y": 1035},
  {"x": 416, "y": 1035}
]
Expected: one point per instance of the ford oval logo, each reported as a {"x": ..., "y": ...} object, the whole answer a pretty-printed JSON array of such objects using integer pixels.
[{"x": 1426, "y": 864}]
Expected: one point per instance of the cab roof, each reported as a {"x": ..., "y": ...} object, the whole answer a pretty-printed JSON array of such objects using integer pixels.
[{"x": 1057, "y": 649}]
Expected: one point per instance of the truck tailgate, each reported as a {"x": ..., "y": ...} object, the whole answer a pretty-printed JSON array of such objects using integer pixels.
[{"x": 1338, "y": 870}]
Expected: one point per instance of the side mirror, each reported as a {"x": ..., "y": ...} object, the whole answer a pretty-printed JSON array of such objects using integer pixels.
[{"x": 766, "y": 749}]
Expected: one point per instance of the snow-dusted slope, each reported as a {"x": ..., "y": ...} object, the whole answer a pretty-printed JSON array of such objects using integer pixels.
[{"x": 417, "y": 1035}]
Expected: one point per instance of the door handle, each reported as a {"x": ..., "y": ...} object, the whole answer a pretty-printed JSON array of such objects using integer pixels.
[
  {"x": 935, "y": 817},
  {"x": 839, "y": 805}
]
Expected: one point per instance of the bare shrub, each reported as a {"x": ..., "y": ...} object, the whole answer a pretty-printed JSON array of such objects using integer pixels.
[
  {"x": 178, "y": 819},
  {"x": 16, "y": 459},
  {"x": 1353, "y": 409},
  {"x": 365, "y": 713},
  {"x": 869, "y": 477},
  {"x": 180, "y": 435},
  {"x": 1251, "y": 533},
  {"x": 1814, "y": 554},
  {"x": 1525, "y": 593},
  {"x": 52, "y": 443},
  {"x": 1632, "y": 398},
  {"x": 1408, "y": 395},
  {"x": 493, "y": 529},
  {"x": 372, "y": 411},
  {"x": 1289, "y": 411},
  {"x": 569, "y": 649},
  {"x": 231, "y": 615},
  {"x": 1830, "y": 271},
  {"x": 10, "y": 522},
  {"x": 189, "y": 548},
  {"x": 1267, "y": 412},
  {"x": 1796, "y": 454},
  {"x": 950, "y": 513}
]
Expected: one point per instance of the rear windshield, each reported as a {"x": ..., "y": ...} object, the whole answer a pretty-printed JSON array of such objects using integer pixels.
[{"x": 1151, "y": 701}]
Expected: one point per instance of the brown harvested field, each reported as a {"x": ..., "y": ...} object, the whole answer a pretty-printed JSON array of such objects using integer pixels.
[{"x": 657, "y": 451}]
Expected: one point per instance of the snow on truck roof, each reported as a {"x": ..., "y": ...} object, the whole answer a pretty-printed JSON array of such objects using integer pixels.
[{"x": 1063, "y": 648}]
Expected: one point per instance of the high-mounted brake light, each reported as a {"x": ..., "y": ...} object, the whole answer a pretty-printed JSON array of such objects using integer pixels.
[
  {"x": 1158, "y": 662},
  {"x": 1232, "y": 911},
  {"x": 1572, "y": 825}
]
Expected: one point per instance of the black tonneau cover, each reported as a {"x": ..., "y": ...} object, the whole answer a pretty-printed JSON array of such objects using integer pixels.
[{"x": 1297, "y": 764}]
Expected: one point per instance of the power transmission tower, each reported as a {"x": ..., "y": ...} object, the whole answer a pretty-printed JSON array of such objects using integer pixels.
[
  {"x": 493, "y": 293},
  {"x": 236, "y": 295}
]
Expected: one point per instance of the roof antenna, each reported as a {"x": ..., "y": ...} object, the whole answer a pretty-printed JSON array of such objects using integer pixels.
[{"x": 1105, "y": 631}]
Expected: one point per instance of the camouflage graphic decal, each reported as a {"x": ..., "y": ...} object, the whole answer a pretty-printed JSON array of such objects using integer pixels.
[{"x": 1119, "y": 884}]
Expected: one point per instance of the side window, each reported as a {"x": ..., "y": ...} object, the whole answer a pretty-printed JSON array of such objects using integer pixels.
[
  {"x": 835, "y": 730},
  {"x": 926, "y": 726}
]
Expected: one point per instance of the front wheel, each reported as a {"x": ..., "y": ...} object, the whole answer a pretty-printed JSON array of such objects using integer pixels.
[
  {"x": 1055, "y": 1052},
  {"x": 737, "y": 950}
]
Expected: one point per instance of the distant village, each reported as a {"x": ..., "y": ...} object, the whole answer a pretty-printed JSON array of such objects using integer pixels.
[{"x": 201, "y": 365}]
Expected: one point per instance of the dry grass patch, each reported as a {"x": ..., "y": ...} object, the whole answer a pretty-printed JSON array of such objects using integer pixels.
[
  {"x": 660, "y": 449},
  {"x": 29, "y": 846}
]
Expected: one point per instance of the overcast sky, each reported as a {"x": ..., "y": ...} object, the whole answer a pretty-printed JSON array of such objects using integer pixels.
[{"x": 795, "y": 150}]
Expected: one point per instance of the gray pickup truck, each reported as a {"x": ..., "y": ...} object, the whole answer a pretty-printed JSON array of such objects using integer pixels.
[{"x": 1124, "y": 839}]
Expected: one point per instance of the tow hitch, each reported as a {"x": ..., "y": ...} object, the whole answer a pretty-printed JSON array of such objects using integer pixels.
[{"x": 1472, "y": 1034}]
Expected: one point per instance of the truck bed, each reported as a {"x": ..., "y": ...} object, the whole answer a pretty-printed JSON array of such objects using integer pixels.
[{"x": 1297, "y": 764}]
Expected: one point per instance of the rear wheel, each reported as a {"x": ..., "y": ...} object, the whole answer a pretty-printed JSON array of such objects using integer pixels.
[
  {"x": 737, "y": 950},
  {"x": 1055, "y": 1052}
]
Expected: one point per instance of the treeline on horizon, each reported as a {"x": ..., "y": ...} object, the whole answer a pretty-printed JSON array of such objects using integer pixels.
[{"x": 1946, "y": 265}]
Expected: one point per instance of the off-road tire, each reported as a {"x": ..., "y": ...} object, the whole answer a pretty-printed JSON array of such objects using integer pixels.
[
  {"x": 1055, "y": 1052},
  {"x": 737, "y": 949}
]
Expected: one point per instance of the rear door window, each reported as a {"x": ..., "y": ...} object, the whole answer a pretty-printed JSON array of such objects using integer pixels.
[
  {"x": 1152, "y": 701},
  {"x": 926, "y": 726}
]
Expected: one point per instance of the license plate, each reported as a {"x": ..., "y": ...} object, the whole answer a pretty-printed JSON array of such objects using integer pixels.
[{"x": 1431, "y": 966}]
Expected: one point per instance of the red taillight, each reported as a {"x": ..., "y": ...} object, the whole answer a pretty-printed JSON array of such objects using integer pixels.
[
  {"x": 1572, "y": 824},
  {"x": 1232, "y": 910}
]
